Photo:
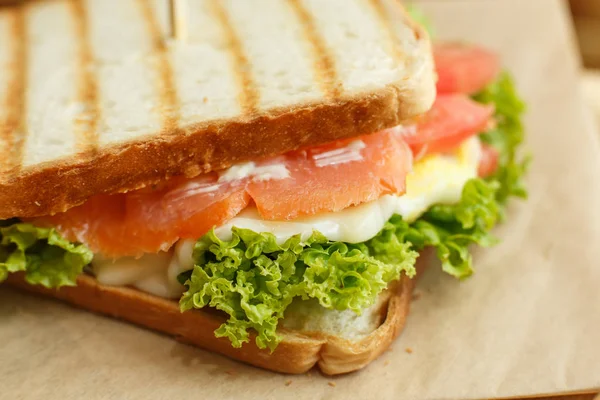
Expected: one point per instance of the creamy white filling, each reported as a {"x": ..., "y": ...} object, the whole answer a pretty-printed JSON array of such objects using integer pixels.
[
  {"x": 343, "y": 155},
  {"x": 250, "y": 170},
  {"x": 435, "y": 179}
]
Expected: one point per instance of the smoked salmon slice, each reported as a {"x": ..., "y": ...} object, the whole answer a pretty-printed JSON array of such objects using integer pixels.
[
  {"x": 333, "y": 177},
  {"x": 148, "y": 221},
  {"x": 320, "y": 179}
]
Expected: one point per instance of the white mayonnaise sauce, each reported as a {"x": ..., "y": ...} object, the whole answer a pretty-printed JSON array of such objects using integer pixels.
[
  {"x": 250, "y": 170},
  {"x": 343, "y": 155}
]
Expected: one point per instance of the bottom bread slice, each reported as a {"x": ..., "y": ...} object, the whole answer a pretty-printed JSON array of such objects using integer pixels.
[{"x": 298, "y": 352}]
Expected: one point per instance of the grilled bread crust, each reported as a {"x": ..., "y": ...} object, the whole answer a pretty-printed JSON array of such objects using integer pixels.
[
  {"x": 297, "y": 353},
  {"x": 114, "y": 107}
]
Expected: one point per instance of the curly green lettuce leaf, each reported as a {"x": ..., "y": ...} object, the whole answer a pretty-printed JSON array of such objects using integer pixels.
[
  {"x": 44, "y": 256},
  {"x": 451, "y": 229},
  {"x": 253, "y": 279},
  {"x": 506, "y": 136}
]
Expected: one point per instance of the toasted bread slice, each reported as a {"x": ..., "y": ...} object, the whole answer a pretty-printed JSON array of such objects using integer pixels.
[
  {"x": 93, "y": 99},
  {"x": 298, "y": 352}
]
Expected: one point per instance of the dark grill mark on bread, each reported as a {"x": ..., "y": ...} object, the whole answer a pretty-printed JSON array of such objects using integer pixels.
[
  {"x": 13, "y": 129},
  {"x": 387, "y": 25},
  {"x": 85, "y": 124},
  {"x": 324, "y": 65},
  {"x": 168, "y": 102},
  {"x": 248, "y": 93}
]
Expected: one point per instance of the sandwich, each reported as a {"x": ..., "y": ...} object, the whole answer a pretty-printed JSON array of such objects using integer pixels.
[{"x": 268, "y": 188}]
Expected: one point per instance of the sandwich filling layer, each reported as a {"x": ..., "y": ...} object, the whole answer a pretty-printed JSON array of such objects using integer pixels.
[
  {"x": 324, "y": 228},
  {"x": 435, "y": 179}
]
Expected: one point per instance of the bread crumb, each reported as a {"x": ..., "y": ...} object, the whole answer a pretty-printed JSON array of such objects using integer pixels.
[
  {"x": 288, "y": 382},
  {"x": 387, "y": 362},
  {"x": 205, "y": 100},
  {"x": 408, "y": 350},
  {"x": 330, "y": 383}
]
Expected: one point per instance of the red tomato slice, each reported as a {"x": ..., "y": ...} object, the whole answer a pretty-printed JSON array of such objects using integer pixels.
[
  {"x": 464, "y": 68},
  {"x": 148, "y": 221},
  {"x": 451, "y": 120},
  {"x": 334, "y": 177},
  {"x": 489, "y": 160}
]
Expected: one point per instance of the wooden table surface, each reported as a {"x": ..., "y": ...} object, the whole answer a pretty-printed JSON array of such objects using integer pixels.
[{"x": 591, "y": 396}]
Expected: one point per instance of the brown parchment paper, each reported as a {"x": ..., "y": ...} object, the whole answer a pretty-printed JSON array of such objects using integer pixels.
[{"x": 527, "y": 323}]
